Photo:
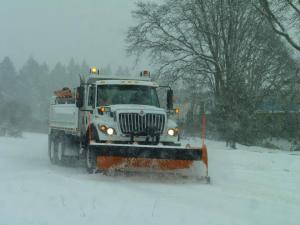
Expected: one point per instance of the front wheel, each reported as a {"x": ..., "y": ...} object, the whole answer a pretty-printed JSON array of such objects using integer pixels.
[{"x": 90, "y": 161}]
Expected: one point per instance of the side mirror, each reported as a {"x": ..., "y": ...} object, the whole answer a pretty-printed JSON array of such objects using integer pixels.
[
  {"x": 79, "y": 96},
  {"x": 170, "y": 99}
]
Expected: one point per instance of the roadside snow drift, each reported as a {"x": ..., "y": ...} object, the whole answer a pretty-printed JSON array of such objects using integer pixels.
[{"x": 249, "y": 186}]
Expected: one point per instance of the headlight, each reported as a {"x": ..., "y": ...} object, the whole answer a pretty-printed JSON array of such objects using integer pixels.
[
  {"x": 107, "y": 130},
  {"x": 171, "y": 132},
  {"x": 110, "y": 131}
]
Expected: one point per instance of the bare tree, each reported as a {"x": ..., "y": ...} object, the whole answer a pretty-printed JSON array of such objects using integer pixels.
[
  {"x": 282, "y": 15},
  {"x": 225, "y": 44}
]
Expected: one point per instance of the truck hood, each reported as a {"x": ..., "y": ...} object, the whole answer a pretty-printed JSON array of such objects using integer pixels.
[{"x": 136, "y": 108}]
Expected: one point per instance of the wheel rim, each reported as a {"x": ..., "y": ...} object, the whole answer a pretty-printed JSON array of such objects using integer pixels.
[
  {"x": 59, "y": 152},
  {"x": 52, "y": 151}
]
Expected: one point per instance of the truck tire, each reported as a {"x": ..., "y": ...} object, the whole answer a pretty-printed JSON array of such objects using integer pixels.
[
  {"x": 61, "y": 151},
  {"x": 52, "y": 150},
  {"x": 90, "y": 161}
]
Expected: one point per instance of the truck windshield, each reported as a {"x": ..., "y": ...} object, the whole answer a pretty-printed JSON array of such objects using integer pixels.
[{"x": 129, "y": 94}]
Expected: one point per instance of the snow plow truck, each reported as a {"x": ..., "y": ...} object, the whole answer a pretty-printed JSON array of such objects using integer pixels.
[{"x": 117, "y": 122}]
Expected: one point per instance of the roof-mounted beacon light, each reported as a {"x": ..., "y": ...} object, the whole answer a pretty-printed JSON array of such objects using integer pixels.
[
  {"x": 145, "y": 73},
  {"x": 94, "y": 70}
]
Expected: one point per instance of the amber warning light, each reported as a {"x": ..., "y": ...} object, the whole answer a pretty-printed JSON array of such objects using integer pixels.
[
  {"x": 94, "y": 70},
  {"x": 145, "y": 73}
]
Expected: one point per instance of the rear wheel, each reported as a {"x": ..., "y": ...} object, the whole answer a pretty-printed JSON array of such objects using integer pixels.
[
  {"x": 61, "y": 151},
  {"x": 90, "y": 161},
  {"x": 52, "y": 150}
]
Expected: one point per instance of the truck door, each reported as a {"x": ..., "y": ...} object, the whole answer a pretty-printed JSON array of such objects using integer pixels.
[
  {"x": 91, "y": 97},
  {"x": 90, "y": 105}
]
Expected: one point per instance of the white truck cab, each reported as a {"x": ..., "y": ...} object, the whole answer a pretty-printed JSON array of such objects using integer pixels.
[{"x": 124, "y": 111}]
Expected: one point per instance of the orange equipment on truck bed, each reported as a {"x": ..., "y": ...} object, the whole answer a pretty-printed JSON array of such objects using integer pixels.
[{"x": 64, "y": 93}]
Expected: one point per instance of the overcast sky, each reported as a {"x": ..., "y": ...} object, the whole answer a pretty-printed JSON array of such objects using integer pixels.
[{"x": 56, "y": 30}]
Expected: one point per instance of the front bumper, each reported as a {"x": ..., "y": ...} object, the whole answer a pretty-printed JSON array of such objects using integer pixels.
[{"x": 126, "y": 138}]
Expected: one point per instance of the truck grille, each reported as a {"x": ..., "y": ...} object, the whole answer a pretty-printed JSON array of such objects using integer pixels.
[{"x": 141, "y": 124}]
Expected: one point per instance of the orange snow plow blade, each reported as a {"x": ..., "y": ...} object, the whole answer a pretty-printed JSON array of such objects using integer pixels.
[
  {"x": 108, "y": 162},
  {"x": 145, "y": 156}
]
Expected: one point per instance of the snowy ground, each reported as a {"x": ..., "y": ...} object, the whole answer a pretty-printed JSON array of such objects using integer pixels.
[{"x": 249, "y": 186}]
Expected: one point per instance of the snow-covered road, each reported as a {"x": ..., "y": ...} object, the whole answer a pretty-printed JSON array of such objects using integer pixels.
[{"x": 249, "y": 186}]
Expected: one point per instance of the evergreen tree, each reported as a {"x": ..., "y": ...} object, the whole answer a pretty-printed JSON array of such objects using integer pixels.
[
  {"x": 84, "y": 67},
  {"x": 73, "y": 71},
  {"x": 107, "y": 70},
  {"x": 34, "y": 89},
  {"x": 59, "y": 76},
  {"x": 126, "y": 71},
  {"x": 8, "y": 77},
  {"x": 122, "y": 71}
]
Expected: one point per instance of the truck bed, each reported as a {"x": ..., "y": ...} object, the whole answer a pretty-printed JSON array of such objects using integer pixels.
[{"x": 63, "y": 116}]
